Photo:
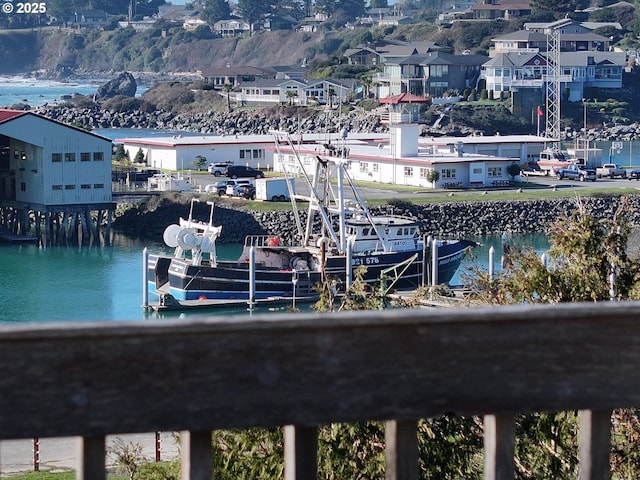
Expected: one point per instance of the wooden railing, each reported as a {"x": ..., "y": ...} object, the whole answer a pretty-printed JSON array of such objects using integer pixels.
[{"x": 304, "y": 370}]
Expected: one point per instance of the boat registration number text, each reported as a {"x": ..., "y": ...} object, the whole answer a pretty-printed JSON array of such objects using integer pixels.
[{"x": 356, "y": 262}]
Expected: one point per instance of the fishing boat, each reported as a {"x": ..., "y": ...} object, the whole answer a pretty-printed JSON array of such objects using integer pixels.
[{"x": 338, "y": 234}]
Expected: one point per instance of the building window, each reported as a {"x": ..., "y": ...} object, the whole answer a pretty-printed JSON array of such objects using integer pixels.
[
  {"x": 98, "y": 185},
  {"x": 375, "y": 167},
  {"x": 364, "y": 167},
  {"x": 85, "y": 186},
  {"x": 494, "y": 172},
  {"x": 98, "y": 156},
  {"x": 70, "y": 157},
  {"x": 85, "y": 157},
  {"x": 245, "y": 154},
  {"x": 56, "y": 157},
  {"x": 56, "y": 187},
  {"x": 69, "y": 187},
  {"x": 16, "y": 154},
  {"x": 408, "y": 171},
  {"x": 448, "y": 173},
  {"x": 23, "y": 186},
  {"x": 258, "y": 153},
  {"x": 424, "y": 172}
]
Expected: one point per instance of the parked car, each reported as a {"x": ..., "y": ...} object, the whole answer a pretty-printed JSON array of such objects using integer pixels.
[
  {"x": 220, "y": 188},
  {"x": 576, "y": 172},
  {"x": 633, "y": 174},
  {"x": 218, "y": 168},
  {"x": 611, "y": 170},
  {"x": 234, "y": 185},
  {"x": 240, "y": 171},
  {"x": 246, "y": 191},
  {"x": 533, "y": 169}
]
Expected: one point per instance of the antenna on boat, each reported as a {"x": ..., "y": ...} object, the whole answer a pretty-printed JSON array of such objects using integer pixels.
[
  {"x": 211, "y": 213},
  {"x": 191, "y": 209}
]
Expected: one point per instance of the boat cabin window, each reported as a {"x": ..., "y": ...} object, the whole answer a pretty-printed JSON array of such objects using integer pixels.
[{"x": 365, "y": 232}]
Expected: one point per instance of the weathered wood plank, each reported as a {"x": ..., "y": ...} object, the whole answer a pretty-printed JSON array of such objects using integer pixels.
[
  {"x": 401, "y": 450},
  {"x": 196, "y": 453},
  {"x": 313, "y": 369},
  {"x": 91, "y": 458},
  {"x": 499, "y": 447},
  {"x": 594, "y": 438},
  {"x": 300, "y": 452}
]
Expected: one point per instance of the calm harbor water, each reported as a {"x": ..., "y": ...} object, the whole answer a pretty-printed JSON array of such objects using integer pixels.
[{"x": 57, "y": 284}]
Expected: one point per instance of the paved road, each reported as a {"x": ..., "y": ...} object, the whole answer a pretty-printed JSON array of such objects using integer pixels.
[{"x": 59, "y": 454}]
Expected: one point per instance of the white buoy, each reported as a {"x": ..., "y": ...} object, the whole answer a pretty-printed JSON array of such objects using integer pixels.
[
  {"x": 252, "y": 276},
  {"x": 145, "y": 280},
  {"x": 348, "y": 260},
  {"x": 492, "y": 252},
  {"x": 434, "y": 263}
]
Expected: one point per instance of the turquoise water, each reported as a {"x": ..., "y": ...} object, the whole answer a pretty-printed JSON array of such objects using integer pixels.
[
  {"x": 36, "y": 93},
  {"x": 39, "y": 92},
  {"x": 57, "y": 284}
]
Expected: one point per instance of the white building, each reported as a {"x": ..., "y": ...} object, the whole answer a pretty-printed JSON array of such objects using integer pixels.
[
  {"x": 54, "y": 175},
  {"x": 405, "y": 158},
  {"x": 179, "y": 152},
  {"x": 48, "y": 164}
]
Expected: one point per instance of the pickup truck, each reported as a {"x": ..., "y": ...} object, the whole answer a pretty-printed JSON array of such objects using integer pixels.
[
  {"x": 576, "y": 172},
  {"x": 611, "y": 170}
]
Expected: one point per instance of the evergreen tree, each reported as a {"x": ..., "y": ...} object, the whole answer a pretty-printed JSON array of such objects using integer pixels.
[
  {"x": 252, "y": 11},
  {"x": 215, "y": 10},
  {"x": 326, "y": 7}
]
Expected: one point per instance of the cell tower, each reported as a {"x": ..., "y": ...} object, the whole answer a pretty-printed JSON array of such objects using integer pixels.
[{"x": 552, "y": 84}]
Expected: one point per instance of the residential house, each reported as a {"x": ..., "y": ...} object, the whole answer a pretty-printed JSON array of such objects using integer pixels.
[
  {"x": 331, "y": 91},
  {"x": 272, "y": 92},
  {"x": 138, "y": 25},
  {"x": 384, "y": 51},
  {"x": 520, "y": 71},
  {"x": 290, "y": 72},
  {"x": 519, "y": 63},
  {"x": 90, "y": 18},
  {"x": 572, "y": 27},
  {"x": 431, "y": 74},
  {"x": 299, "y": 92},
  {"x": 192, "y": 23},
  {"x": 231, "y": 27},
  {"x": 507, "y": 10},
  {"x": 235, "y": 76},
  {"x": 531, "y": 41}
]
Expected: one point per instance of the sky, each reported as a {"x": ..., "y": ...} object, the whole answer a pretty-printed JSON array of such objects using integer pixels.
[{"x": 182, "y": 2}]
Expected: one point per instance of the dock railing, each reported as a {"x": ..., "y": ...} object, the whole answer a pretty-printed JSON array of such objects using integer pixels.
[{"x": 304, "y": 370}]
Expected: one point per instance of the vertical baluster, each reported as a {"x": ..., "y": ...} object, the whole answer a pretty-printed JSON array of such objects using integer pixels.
[
  {"x": 196, "y": 455},
  {"x": 91, "y": 458},
  {"x": 594, "y": 438},
  {"x": 401, "y": 451},
  {"x": 300, "y": 452},
  {"x": 499, "y": 447}
]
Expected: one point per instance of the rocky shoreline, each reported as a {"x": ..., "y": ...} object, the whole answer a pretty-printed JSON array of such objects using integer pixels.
[
  {"x": 257, "y": 122},
  {"x": 443, "y": 219}
]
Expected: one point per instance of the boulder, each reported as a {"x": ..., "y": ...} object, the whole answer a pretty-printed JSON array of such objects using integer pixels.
[{"x": 124, "y": 84}]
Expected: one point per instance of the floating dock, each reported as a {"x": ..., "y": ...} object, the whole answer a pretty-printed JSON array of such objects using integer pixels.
[{"x": 168, "y": 303}]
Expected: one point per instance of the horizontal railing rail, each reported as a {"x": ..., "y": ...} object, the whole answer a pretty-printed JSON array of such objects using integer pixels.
[{"x": 303, "y": 370}]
